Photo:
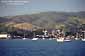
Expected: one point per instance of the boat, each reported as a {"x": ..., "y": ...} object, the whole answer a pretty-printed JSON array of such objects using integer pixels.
[
  {"x": 60, "y": 40},
  {"x": 76, "y": 38},
  {"x": 83, "y": 39},
  {"x": 67, "y": 40},
  {"x": 35, "y": 39},
  {"x": 24, "y": 38}
]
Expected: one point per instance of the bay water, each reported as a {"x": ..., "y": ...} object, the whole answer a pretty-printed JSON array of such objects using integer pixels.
[{"x": 19, "y": 47}]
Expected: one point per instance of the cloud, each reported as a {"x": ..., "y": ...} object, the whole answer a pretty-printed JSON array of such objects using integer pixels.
[{"x": 14, "y": 2}]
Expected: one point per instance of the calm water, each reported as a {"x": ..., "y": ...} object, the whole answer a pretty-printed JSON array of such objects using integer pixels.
[{"x": 41, "y": 48}]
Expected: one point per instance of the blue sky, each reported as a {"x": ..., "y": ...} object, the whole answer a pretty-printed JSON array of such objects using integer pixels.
[{"x": 36, "y": 6}]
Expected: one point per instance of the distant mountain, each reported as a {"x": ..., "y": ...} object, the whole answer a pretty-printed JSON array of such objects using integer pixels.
[
  {"x": 45, "y": 19},
  {"x": 3, "y": 19}
]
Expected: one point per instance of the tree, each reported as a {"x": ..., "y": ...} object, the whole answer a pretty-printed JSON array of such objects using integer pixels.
[
  {"x": 73, "y": 22},
  {"x": 3, "y": 28}
]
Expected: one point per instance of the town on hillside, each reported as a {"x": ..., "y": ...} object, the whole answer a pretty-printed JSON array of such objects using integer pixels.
[{"x": 35, "y": 34}]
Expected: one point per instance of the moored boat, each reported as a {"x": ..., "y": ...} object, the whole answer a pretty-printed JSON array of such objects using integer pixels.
[
  {"x": 83, "y": 39},
  {"x": 35, "y": 39},
  {"x": 60, "y": 40}
]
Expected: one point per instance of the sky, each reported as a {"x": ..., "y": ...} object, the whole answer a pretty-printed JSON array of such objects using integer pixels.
[{"x": 21, "y": 7}]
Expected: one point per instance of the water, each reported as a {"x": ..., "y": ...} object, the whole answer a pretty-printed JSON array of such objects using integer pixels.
[{"x": 41, "y": 48}]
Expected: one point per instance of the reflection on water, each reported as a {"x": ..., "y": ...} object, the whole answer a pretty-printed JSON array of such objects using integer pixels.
[{"x": 41, "y": 48}]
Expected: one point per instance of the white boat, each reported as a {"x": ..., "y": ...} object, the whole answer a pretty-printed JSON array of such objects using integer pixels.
[
  {"x": 83, "y": 39},
  {"x": 76, "y": 38},
  {"x": 35, "y": 39},
  {"x": 50, "y": 39},
  {"x": 43, "y": 38},
  {"x": 60, "y": 40},
  {"x": 24, "y": 38},
  {"x": 67, "y": 40}
]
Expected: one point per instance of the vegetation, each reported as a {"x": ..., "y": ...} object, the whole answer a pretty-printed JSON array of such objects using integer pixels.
[{"x": 47, "y": 20}]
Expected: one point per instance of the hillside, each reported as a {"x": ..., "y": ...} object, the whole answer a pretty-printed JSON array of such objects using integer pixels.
[{"x": 48, "y": 19}]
